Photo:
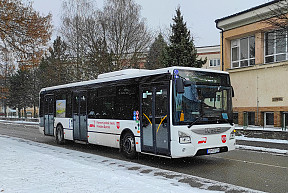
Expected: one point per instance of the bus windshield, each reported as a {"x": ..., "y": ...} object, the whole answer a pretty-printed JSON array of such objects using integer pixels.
[{"x": 206, "y": 100}]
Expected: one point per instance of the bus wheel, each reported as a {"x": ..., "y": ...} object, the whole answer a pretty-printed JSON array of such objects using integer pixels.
[
  {"x": 128, "y": 148},
  {"x": 60, "y": 135}
]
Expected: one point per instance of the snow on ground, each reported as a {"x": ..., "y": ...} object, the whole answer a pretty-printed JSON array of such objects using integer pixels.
[{"x": 28, "y": 166}]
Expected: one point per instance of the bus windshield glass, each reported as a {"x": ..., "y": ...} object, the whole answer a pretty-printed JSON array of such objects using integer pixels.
[{"x": 206, "y": 99}]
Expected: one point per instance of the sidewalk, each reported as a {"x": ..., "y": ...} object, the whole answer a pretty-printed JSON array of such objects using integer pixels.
[
  {"x": 272, "y": 140},
  {"x": 260, "y": 132},
  {"x": 19, "y": 119}
]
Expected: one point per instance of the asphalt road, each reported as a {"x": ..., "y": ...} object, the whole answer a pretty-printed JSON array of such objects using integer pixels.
[{"x": 255, "y": 170}]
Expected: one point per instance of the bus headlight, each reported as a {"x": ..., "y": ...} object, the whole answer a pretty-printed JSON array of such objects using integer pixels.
[
  {"x": 183, "y": 137},
  {"x": 232, "y": 134}
]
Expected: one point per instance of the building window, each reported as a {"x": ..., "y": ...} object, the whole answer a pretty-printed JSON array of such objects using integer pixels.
[
  {"x": 235, "y": 117},
  {"x": 275, "y": 46},
  {"x": 285, "y": 120},
  {"x": 268, "y": 119},
  {"x": 214, "y": 62},
  {"x": 243, "y": 52},
  {"x": 251, "y": 118}
]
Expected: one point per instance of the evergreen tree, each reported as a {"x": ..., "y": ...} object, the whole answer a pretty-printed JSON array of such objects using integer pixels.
[
  {"x": 181, "y": 51},
  {"x": 99, "y": 59},
  {"x": 20, "y": 95},
  {"x": 55, "y": 68},
  {"x": 156, "y": 53}
]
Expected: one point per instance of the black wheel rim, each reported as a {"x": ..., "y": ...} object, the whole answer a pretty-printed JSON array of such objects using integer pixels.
[
  {"x": 128, "y": 145},
  {"x": 59, "y": 134}
]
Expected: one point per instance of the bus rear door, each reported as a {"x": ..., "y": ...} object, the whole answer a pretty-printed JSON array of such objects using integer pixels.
[{"x": 49, "y": 115}]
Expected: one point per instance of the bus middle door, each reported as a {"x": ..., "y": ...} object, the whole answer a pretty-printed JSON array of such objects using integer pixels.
[
  {"x": 155, "y": 131},
  {"x": 80, "y": 116}
]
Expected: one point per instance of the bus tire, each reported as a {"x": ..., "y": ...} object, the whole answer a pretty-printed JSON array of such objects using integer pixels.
[
  {"x": 60, "y": 135},
  {"x": 128, "y": 147}
]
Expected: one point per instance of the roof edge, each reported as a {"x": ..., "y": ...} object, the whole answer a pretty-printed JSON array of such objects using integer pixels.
[{"x": 248, "y": 10}]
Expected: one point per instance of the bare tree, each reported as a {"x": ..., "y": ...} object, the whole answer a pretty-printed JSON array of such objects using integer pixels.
[
  {"x": 98, "y": 56},
  {"x": 83, "y": 34},
  {"x": 73, "y": 18},
  {"x": 124, "y": 31},
  {"x": 22, "y": 28},
  {"x": 278, "y": 15},
  {"x": 103, "y": 41},
  {"x": 7, "y": 67},
  {"x": 24, "y": 33}
]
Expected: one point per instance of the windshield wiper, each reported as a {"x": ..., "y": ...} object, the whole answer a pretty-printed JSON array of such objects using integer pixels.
[
  {"x": 202, "y": 115},
  {"x": 227, "y": 120},
  {"x": 198, "y": 118}
]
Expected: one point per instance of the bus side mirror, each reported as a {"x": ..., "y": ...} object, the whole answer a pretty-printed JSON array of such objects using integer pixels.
[
  {"x": 179, "y": 86},
  {"x": 232, "y": 91}
]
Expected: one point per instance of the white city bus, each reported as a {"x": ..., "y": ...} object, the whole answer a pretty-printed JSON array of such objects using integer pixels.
[{"x": 173, "y": 112}]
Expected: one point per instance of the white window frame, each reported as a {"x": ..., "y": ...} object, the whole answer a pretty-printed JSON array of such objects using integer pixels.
[
  {"x": 215, "y": 62},
  {"x": 274, "y": 55},
  {"x": 236, "y": 44}
]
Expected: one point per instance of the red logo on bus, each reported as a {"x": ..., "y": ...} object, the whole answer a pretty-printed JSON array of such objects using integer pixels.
[
  {"x": 223, "y": 138},
  {"x": 203, "y": 140},
  {"x": 118, "y": 125},
  {"x": 92, "y": 125}
]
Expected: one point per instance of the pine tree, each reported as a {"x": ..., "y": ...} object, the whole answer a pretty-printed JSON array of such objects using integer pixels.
[
  {"x": 54, "y": 69},
  {"x": 20, "y": 93},
  {"x": 181, "y": 51},
  {"x": 156, "y": 53}
]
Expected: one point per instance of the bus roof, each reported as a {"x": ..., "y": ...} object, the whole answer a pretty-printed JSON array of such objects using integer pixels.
[{"x": 128, "y": 74}]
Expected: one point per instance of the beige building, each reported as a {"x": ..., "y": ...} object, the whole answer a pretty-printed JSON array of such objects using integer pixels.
[
  {"x": 255, "y": 54},
  {"x": 212, "y": 53}
]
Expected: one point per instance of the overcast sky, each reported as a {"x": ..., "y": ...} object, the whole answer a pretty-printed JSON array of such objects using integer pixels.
[{"x": 200, "y": 15}]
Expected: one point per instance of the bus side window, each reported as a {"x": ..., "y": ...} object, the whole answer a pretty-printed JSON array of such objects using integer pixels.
[
  {"x": 69, "y": 105},
  {"x": 92, "y": 104},
  {"x": 127, "y": 101}
]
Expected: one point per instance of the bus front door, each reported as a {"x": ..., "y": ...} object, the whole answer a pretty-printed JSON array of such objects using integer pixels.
[
  {"x": 80, "y": 116},
  {"x": 155, "y": 131},
  {"x": 49, "y": 115}
]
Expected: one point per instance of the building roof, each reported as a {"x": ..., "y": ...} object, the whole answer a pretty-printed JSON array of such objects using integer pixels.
[
  {"x": 248, "y": 10},
  {"x": 248, "y": 16},
  {"x": 208, "y": 50}
]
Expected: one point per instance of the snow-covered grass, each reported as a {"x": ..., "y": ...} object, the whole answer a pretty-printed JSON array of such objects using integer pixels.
[{"x": 28, "y": 166}]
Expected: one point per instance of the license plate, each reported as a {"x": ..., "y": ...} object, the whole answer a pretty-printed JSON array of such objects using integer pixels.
[{"x": 214, "y": 150}]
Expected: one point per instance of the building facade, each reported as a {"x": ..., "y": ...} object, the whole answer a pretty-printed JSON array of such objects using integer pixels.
[
  {"x": 255, "y": 53},
  {"x": 212, "y": 53}
]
